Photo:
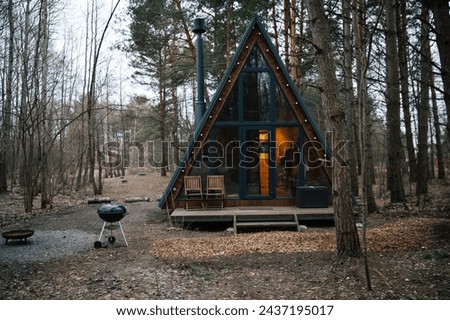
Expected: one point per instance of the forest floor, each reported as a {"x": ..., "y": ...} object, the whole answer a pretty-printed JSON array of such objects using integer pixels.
[{"x": 408, "y": 254}]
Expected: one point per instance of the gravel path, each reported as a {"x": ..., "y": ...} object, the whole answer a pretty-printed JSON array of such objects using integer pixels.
[
  {"x": 72, "y": 231},
  {"x": 47, "y": 244}
]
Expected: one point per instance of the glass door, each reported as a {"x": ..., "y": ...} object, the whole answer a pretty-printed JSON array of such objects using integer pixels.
[{"x": 256, "y": 163}]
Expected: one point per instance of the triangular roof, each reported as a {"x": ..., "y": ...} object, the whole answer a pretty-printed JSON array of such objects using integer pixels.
[{"x": 255, "y": 34}]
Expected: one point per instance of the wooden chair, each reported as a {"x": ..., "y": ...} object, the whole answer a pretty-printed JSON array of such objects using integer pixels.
[
  {"x": 193, "y": 191},
  {"x": 215, "y": 191}
]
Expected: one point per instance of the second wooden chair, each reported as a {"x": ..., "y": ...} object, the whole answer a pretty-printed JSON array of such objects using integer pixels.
[{"x": 215, "y": 191}]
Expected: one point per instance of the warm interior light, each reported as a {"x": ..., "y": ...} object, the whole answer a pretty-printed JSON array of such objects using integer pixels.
[
  {"x": 264, "y": 162},
  {"x": 263, "y": 136}
]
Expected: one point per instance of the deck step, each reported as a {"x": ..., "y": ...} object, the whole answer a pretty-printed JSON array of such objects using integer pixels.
[{"x": 267, "y": 223}]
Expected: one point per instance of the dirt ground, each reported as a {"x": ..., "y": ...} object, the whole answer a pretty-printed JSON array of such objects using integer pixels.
[{"x": 409, "y": 254}]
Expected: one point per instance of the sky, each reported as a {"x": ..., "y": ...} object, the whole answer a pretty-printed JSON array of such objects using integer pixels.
[{"x": 71, "y": 21}]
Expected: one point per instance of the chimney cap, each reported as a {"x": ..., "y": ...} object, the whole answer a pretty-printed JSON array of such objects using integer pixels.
[{"x": 199, "y": 25}]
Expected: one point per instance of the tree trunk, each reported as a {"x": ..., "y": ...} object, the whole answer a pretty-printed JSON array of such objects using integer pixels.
[
  {"x": 365, "y": 111},
  {"x": 404, "y": 79},
  {"x": 5, "y": 142},
  {"x": 91, "y": 103},
  {"x": 349, "y": 98},
  {"x": 175, "y": 109},
  {"x": 93, "y": 148},
  {"x": 438, "y": 135},
  {"x": 293, "y": 41},
  {"x": 299, "y": 59},
  {"x": 162, "y": 128},
  {"x": 359, "y": 26},
  {"x": 346, "y": 233},
  {"x": 368, "y": 179},
  {"x": 99, "y": 162},
  {"x": 175, "y": 126},
  {"x": 394, "y": 146},
  {"x": 162, "y": 115},
  {"x": 81, "y": 179},
  {"x": 441, "y": 14},
  {"x": 229, "y": 28},
  {"x": 26, "y": 141},
  {"x": 186, "y": 30},
  {"x": 44, "y": 104},
  {"x": 423, "y": 107},
  {"x": 275, "y": 23},
  {"x": 286, "y": 28}
]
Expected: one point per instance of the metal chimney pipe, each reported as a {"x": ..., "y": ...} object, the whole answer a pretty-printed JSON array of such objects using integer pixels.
[{"x": 200, "y": 105}]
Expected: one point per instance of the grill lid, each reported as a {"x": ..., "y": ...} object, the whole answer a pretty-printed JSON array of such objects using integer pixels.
[{"x": 112, "y": 209}]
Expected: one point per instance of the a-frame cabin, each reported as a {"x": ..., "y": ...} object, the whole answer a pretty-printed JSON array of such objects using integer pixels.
[{"x": 257, "y": 133}]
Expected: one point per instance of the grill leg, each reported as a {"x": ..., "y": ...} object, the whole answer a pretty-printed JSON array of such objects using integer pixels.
[
  {"x": 123, "y": 234},
  {"x": 101, "y": 233}
]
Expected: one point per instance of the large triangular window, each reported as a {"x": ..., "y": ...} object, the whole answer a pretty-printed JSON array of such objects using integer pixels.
[{"x": 256, "y": 96}]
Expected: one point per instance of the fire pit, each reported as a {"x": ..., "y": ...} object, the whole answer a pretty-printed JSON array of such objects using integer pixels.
[
  {"x": 111, "y": 213},
  {"x": 17, "y": 235}
]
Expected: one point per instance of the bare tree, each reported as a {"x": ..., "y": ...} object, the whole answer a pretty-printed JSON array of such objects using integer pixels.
[
  {"x": 423, "y": 107},
  {"x": 43, "y": 132},
  {"x": 394, "y": 147},
  {"x": 5, "y": 136},
  {"x": 441, "y": 15},
  {"x": 363, "y": 43},
  {"x": 346, "y": 233},
  {"x": 26, "y": 132},
  {"x": 91, "y": 105},
  {"x": 403, "y": 39},
  {"x": 437, "y": 128},
  {"x": 349, "y": 97}
]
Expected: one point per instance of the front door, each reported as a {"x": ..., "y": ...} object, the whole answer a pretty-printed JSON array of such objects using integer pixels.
[{"x": 256, "y": 163}]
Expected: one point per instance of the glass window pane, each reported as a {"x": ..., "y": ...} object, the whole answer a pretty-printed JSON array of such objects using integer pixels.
[
  {"x": 256, "y": 59},
  {"x": 256, "y": 96},
  {"x": 255, "y": 161},
  {"x": 230, "y": 111},
  {"x": 288, "y": 157},
  {"x": 227, "y": 145},
  {"x": 284, "y": 110},
  {"x": 313, "y": 164}
]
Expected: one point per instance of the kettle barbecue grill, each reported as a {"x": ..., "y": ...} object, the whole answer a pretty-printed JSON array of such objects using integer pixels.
[{"x": 110, "y": 214}]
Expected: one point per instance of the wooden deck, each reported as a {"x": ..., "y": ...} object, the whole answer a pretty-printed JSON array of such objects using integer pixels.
[{"x": 254, "y": 216}]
